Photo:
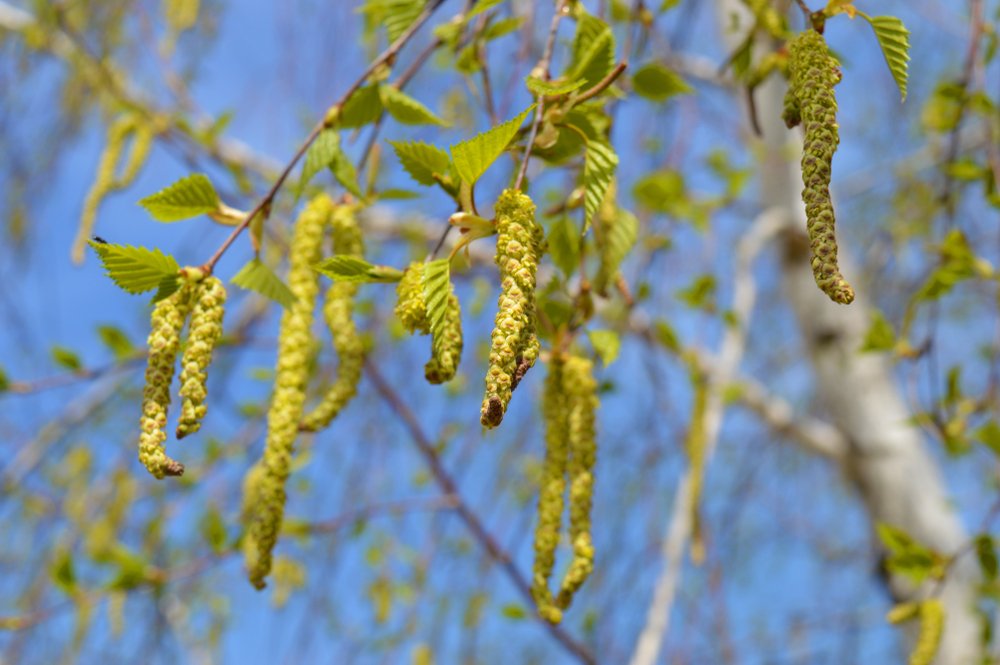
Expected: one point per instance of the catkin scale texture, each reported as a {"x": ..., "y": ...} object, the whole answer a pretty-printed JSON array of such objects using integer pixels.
[
  {"x": 338, "y": 311},
  {"x": 514, "y": 344},
  {"x": 810, "y": 101},
  {"x": 264, "y": 508},
  {"x": 411, "y": 309},
  {"x": 203, "y": 335},
  {"x": 166, "y": 323}
]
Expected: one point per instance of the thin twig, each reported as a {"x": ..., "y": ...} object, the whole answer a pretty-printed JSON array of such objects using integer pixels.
[
  {"x": 462, "y": 510},
  {"x": 541, "y": 71},
  {"x": 265, "y": 203}
]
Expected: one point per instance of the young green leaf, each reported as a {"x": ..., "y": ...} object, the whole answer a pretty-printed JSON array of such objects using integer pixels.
[
  {"x": 540, "y": 88},
  {"x": 136, "y": 269},
  {"x": 117, "y": 341},
  {"x": 345, "y": 173},
  {"x": 400, "y": 15},
  {"x": 406, "y": 109},
  {"x": 616, "y": 240},
  {"x": 894, "y": 39},
  {"x": 593, "y": 50},
  {"x": 437, "y": 288},
  {"x": 321, "y": 154},
  {"x": 347, "y": 268},
  {"x": 66, "y": 358},
  {"x": 186, "y": 198},
  {"x": 656, "y": 82},
  {"x": 363, "y": 107},
  {"x": 474, "y": 156},
  {"x": 256, "y": 276},
  {"x": 564, "y": 245},
  {"x": 421, "y": 160},
  {"x": 598, "y": 171},
  {"x": 606, "y": 343}
]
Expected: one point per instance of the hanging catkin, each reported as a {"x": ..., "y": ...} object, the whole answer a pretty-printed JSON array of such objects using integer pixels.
[
  {"x": 204, "y": 333},
  {"x": 411, "y": 309},
  {"x": 264, "y": 504},
  {"x": 338, "y": 311},
  {"x": 810, "y": 101},
  {"x": 514, "y": 347}
]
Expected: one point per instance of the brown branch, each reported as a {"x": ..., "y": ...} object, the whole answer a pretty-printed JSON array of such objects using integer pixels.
[
  {"x": 462, "y": 510},
  {"x": 265, "y": 203},
  {"x": 541, "y": 70}
]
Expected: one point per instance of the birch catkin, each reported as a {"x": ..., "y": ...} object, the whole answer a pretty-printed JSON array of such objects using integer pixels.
[
  {"x": 810, "y": 100},
  {"x": 264, "y": 504},
  {"x": 411, "y": 309},
  {"x": 514, "y": 346},
  {"x": 166, "y": 324},
  {"x": 338, "y": 311},
  {"x": 205, "y": 330}
]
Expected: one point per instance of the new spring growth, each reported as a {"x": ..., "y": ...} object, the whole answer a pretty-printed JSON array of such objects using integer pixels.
[
  {"x": 569, "y": 407},
  {"x": 931, "y": 614},
  {"x": 166, "y": 324},
  {"x": 411, "y": 309},
  {"x": 810, "y": 101},
  {"x": 264, "y": 503},
  {"x": 338, "y": 311},
  {"x": 514, "y": 347},
  {"x": 203, "y": 335}
]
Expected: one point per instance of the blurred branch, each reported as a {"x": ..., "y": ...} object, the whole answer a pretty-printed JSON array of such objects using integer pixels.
[
  {"x": 679, "y": 527},
  {"x": 466, "y": 514}
]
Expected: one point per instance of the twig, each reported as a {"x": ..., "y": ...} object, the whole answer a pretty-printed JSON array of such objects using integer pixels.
[
  {"x": 679, "y": 527},
  {"x": 265, "y": 203},
  {"x": 541, "y": 70},
  {"x": 462, "y": 510}
]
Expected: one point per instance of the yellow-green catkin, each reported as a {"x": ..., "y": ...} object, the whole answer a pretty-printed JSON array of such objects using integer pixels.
[
  {"x": 104, "y": 181},
  {"x": 556, "y": 416},
  {"x": 166, "y": 324},
  {"x": 203, "y": 334},
  {"x": 338, "y": 310},
  {"x": 411, "y": 309},
  {"x": 264, "y": 504},
  {"x": 695, "y": 448},
  {"x": 514, "y": 347},
  {"x": 932, "y": 617},
  {"x": 581, "y": 401},
  {"x": 810, "y": 101}
]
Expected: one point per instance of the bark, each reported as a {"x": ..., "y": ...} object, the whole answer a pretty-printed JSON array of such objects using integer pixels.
[{"x": 889, "y": 462}]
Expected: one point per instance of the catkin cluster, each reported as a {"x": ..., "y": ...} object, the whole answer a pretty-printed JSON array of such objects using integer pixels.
[
  {"x": 514, "y": 347},
  {"x": 166, "y": 325},
  {"x": 569, "y": 407},
  {"x": 203, "y": 298},
  {"x": 203, "y": 335},
  {"x": 338, "y": 310},
  {"x": 447, "y": 341},
  {"x": 810, "y": 101},
  {"x": 264, "y": 488},
  {"x": 931, "y": 614}
]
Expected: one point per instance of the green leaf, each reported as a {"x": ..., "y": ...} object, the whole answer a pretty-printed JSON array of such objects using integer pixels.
[
  {"x": 504, "y": 26},
  {"x": 564, "y": 245},
  {"x": 599, "y": 168},
  {"x": 188, "y": 197},
  {"x": 656, "y": 82},
  {"x": 907, "y": 556},
  {"x": 437, "y": 288},
  {"x": 166, "y": 288},
  {"x": 593, "y": 50},
  {"x": 894, "y": 39},
  {"x": 989, "y": 436},
  {"x": 66, "y": 358},
  {"x": 881, "y": 336},
  {"x": 540, "y": 88},
  {"x": 474, "y": 156},
  {"x": 662, "y": 191},
  {"x": 406, "y": 109},
  {"x": 666, "y": 336},
  {"x": 421, "y": 160},
  {"x": 345, "y": 173},
  {"x": 320, "y": 155},
  {"x": 117, "y": 341},
  {"x": 482, "y": 6},
  {"x": 64, "y": 572},
  {"x": 616, "y": 239},
  {"x": 213, "y": 529},
  {"x": 987, "y": 554},
  {"x": 700, "y": 293},
  {"x": 136, "y": 269},
  {"x": 347, "y": 268},
  {"x": 514, "y": 611},
  {"x": 256, "y": 276},
  {"x": 606, "y": 343},
  {"x": 4, "y": 381},
  {"x": 363, "y": 107}
]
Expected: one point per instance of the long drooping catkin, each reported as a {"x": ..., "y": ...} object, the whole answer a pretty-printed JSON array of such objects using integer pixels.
[
  {"x": 265, "y": 503},
  {"x": 514, "y": 346},
  {"x": 411, "y": 309},
  {"x": 205, "y": 330},
  {"x": 166, "y": 323},
  {"x": 811, "y": 101},
  {"x": 338, "y": 311}
]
